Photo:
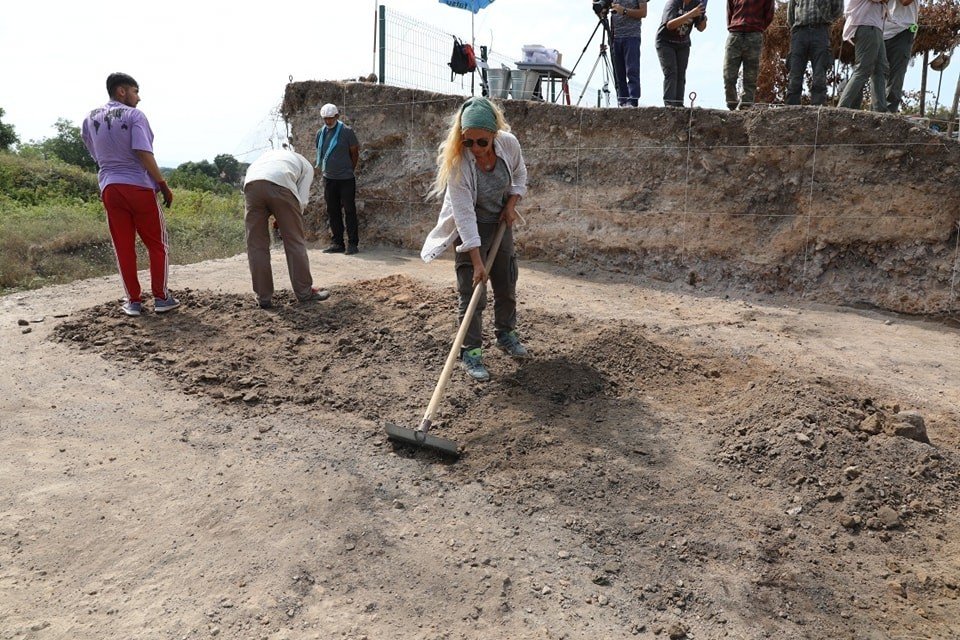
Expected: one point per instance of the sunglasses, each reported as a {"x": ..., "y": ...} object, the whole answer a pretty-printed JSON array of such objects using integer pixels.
[{"x": 480, "y": 142}]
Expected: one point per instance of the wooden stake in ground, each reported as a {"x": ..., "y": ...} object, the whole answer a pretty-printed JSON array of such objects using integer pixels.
[{"x": 953, "y": 110}]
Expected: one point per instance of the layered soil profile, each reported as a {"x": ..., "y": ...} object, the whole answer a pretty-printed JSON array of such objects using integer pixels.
[{"x": 831, "y": 205}]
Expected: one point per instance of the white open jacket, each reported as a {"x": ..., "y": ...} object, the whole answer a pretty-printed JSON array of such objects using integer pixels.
[{"x": 458, "y": 215}]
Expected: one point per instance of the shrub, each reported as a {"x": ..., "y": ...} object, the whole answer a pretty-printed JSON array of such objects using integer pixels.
[
  {"x": 31, "y": 180},
  {"x": 53, "y": 228}
]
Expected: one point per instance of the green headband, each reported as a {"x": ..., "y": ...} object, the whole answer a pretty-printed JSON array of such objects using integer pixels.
[{"x": 478, "y": 113}]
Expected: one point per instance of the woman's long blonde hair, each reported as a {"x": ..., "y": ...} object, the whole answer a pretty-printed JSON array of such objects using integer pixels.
[{"x": 448, "y": 153}]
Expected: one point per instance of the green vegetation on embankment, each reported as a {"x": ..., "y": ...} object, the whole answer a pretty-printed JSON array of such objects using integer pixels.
[{"x": 53, "y": 228}]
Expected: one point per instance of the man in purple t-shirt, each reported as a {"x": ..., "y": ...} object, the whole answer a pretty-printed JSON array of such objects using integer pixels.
[{"x": 120, "y": 140}]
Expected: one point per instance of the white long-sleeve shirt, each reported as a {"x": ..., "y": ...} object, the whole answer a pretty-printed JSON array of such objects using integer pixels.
[
  {"x": 285, "y": 168},
  {"x": 458, "y": 215},
  {"x": 863, "y": 13},
  {"x": 900, "y": 18}
]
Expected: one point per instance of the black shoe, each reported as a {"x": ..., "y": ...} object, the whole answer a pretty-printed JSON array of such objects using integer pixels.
[
  {"x": 351, "y": 249},
  {"x": 335, "y": 248},
  {"x": 265, "y": 304}
]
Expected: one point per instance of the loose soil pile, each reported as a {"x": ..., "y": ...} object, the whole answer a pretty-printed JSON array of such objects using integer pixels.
[{"x": 643, "y": 486}]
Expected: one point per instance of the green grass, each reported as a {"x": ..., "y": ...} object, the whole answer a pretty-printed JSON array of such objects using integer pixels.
[
  {"x": 53, "y": 228},
  {"x": 36, "y": 181}
]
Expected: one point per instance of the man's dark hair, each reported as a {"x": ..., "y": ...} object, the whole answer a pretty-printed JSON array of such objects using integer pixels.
[{"x": 118, "y": 79}]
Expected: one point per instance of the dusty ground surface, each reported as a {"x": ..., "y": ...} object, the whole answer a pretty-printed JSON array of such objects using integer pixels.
[{"x": 668, "y": 465}]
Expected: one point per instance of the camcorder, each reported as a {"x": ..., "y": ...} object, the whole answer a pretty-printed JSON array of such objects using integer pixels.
[{"x": 602, "y": 7}]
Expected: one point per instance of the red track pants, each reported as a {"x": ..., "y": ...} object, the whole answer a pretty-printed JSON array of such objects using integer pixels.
[{"x": 133, "y": 211}]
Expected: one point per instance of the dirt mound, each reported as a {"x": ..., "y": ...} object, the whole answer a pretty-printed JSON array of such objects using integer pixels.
[{"x": 707, "y": 492}]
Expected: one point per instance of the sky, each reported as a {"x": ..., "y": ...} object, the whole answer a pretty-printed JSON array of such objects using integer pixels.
[{"x": 212, "y": 74}]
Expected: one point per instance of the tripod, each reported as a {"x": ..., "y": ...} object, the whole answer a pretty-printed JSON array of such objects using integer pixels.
[{"x": 602, "y": 56}]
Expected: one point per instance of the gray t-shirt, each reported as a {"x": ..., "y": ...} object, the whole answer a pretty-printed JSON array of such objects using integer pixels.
[
  {"x": 624, "y": 27},
  {"x": 492, "y": 191},
  {"x": 339, "y": 166}
]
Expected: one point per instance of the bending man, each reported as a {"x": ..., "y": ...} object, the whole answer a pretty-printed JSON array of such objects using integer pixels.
[{"x": 278, "y": 183}]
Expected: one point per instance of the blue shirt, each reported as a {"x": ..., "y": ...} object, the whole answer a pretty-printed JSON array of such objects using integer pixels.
[{"x": 339, "y": 166}]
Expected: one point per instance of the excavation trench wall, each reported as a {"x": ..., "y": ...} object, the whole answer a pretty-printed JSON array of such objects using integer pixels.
[{"x": 833, "y": 205}]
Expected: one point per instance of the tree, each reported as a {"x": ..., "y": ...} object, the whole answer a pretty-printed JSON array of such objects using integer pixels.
[
  {"x": 229, "y": 168},
  {"x": 772, "y": 79},
  {"x": 938, "y": 114},
  {"x": 8, "y": 137},
  {"x": 198, "y": 176},
  {"x": 67, "y": 145},
  {"x": 939, "y": 27}
]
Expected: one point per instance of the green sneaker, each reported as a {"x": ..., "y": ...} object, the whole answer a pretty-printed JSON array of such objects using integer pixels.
[
  {"x": 473, "y": 362},
  {"x": 509, "y": 342}
]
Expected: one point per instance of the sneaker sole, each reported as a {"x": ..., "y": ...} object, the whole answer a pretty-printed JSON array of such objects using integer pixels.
[
  {"x": 132, "y": 314},
  {"x": 165, "y": 309},
  {"x": 479, "y": 378}
]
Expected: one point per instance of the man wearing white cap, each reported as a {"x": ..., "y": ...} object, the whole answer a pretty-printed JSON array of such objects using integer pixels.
[{"x": 338, "y": 152}]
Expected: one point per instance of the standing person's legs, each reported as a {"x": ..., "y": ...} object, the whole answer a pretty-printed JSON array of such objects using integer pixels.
[
  {"x": 120, "y": 220},
  {"x": 668, "y": 63},
  {"x": 797, "y": 63},
  {"x": 503, "y": 280},
  {"x": 348, "y": 197},
  {"x": 821, "y": 60},
  {"x": 898, "y": 50},
  {"x": 753, "y": 43},
  {"x": 257, "y": 229},
  {"x": 331, "y": 193},
  {"x": 474, "y": 336},
  {"x": 631, "y": 61},
  {"x": 286, "y": 210},
  {"x": 152, "y": 229},
  {"x": 620, "y": 71},
  {"x": 865, "y": 49},
  {"x": 732, "y": 58},
  {"x": 471, "y": 352},
  {"x": 683, "y": 57},
  {"x": 878, "y": 81}
]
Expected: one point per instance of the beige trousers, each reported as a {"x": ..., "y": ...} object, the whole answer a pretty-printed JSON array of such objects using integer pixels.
[{"x": 261, "y": 200}]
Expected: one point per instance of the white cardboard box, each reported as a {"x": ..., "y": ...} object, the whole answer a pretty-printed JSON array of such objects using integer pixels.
[{"x": 539, "y": 54}]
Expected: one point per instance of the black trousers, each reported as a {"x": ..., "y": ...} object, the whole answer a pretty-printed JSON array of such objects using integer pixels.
[
  {"x": 341, "y": 197},
  {"x": 673, "y": 61},
  {"x": 503, "y": 277},
  {"x": 809, "y": 44}
]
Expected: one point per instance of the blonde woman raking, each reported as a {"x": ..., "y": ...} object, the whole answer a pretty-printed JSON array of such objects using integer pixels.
[{"x": 481, "y": 174}]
